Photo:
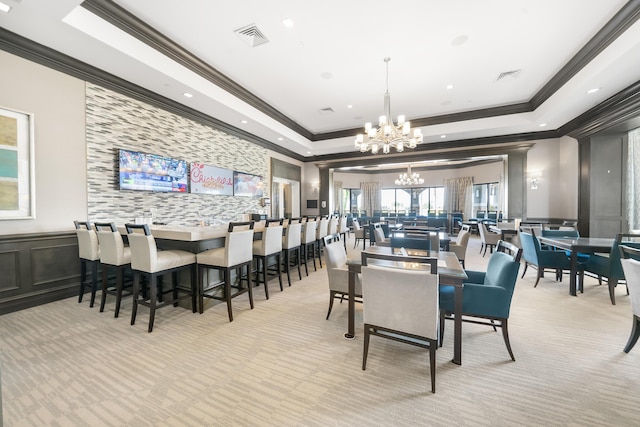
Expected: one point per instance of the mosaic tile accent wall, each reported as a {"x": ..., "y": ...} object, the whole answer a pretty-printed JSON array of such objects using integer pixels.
[{"x": 114, "y": 121}]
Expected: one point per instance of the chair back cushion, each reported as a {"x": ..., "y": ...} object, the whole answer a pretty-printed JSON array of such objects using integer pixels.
[
  {"x": 402, "y": 300},
  {"x": 411, "y": 243},
  {"x": 270, "y": 243},
  {"x": 631, "y": 269},
  {"x": 292, "y": 237},
  {"x": 356, "y": 224},
  {"x": 435, "y": 241},
  {"x": 335, "y": 257},
  {"x": 559, "y": 233},
  {"x": 144, "y": 253},
  {"x": 529, "y": 247},
  {"x": 333, "y": 225},
  {"x": 343, "y": 224},
  {"x": 112, "y": 249},
  {"x": 379, "y": 233},
  {"x": 322, "y": 228},
  {"x": 88, "y": 247},
  {"x": 238, "y": 246},
  {"x": 463, "y": 238},
  {"x": 309, "y": 231},
  {"x": 502, "y": 272}
]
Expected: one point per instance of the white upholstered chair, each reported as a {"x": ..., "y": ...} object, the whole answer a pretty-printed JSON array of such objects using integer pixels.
[
  {"x": 308, "y": 243},
  {"x": 89, "y": 252},
  {"x": 270, "y": 246},
  {"x": 631, "y": 269},
  {"x": 401, "y": 305},
  {"x": 459, "y": 247},
  {"x": 321, "y": 231},
  {"x": 359, "y": 233},
  {"x": 338, "y": 273},
  {"x": 291, "y": 242},
  {"x": 489, "y": 239},
  {"x": 147, "y": 260},
  {"x": 113, "y": 254},
  {"x": 236, "y": 255}
]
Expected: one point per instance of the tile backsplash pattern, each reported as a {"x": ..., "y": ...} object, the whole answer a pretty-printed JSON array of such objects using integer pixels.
[{"x": 114, "y": 121}]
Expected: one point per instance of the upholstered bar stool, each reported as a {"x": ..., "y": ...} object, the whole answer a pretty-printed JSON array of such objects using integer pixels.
[
  {"x": 147, "y": 260},
  {"x": 333, "y": 225},
  {"x": 321, "y": 231},
  {"x": 309, "y": 242},
  {"x": 343, "y": 229},
  {"x": 113, "y": 254},
  {"x": 89, "y": 251},
  {"x": 236, "y": 255},
  {"x": 269, "y": 246},
  {"x": 291, "y": 242}
]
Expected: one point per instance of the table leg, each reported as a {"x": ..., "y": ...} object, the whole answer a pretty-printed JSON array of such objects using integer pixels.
[
  {"x": 457, "y": 326},
  {"x": 574, "y": 273},
  {"x": 351, "y": 306}
]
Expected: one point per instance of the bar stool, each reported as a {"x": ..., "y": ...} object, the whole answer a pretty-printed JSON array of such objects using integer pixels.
[
  {"x": 235, "y": 255},
  {"x": 291, "y": 242},
  {"x": 321, "y": 231},
  {"x": 309, "y": 242},
  {"x": 89, "y": 251},
  {"x": 148, "y": 261},
  {"x": 343, "y": 229},
  {"x": 113, "y": 254},
  {"x": 269, "y": 246},
  {"x": 333, "y": 225}
]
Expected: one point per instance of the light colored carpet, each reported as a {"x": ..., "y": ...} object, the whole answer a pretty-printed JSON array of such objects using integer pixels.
[{"x": 283, "y": 364}]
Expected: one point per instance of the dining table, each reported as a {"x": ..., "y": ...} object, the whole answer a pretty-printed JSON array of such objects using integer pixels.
[
  {"x": 578, "y": 244},
  {"x": 506, "y": 230},
  {"x": 443, "y": 236},
  {"x": 450, "y": 273}
]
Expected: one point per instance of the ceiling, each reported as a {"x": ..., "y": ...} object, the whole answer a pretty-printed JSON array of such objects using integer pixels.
[{"x": 311, "y": 87}]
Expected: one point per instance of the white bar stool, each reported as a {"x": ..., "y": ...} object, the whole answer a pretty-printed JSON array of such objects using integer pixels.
[
  {"x": 269, "y": 246},
  {"x": 89, "y": 251},
  {"x": 113, "y": 254}
]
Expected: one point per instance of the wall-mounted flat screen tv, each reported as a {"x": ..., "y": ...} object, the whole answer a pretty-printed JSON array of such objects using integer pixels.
[
  {"x": 247, "y": 185},
  {"x": 141, "y": 171},
  {"x": 208, "y": 179}
]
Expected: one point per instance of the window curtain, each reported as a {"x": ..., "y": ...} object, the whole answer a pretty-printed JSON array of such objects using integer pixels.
[
  {"x": 371, "y": 197},
  {"x": 458, "y": 195},
  {"x": 633, "y": 180},
  {"x": 337, "y": 196}
]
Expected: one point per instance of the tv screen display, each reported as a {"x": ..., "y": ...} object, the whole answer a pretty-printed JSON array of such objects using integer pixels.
[
  {"x": 141, "y": 171},
  {"x": 208, "y": 179},
  {"x": 247, "y": 185}
]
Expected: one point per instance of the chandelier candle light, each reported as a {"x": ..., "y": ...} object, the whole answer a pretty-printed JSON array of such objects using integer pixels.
[
  {"x": 409, "y": 178},
  {"x": 388, "y": 135}
]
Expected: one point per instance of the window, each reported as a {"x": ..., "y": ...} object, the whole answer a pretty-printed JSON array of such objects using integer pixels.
[
  {"x": 413, "y": 201},
  {"x": 351, "y": 200},
  {"x": 486, "y": 197}
]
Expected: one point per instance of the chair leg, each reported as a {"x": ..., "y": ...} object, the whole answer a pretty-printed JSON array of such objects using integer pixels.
[
  {"x": 365, "y": 350},
  {"x": 119, "y": 286},
  {"x": 433, "y": 344},
  {"x": 279, "y": 273},
  {"x": 136, "y": 291},
  {"x": 635, "y": 333},
  {"x": 304, "y": 256},
  {"x": 539, "y": 275},
  {"x": 287, "y": 264},
  {"x": 442, "y": 319},
  {"x": 298, "y": 262},
  {"x": 613, "y": 282},
  {"x": 152, "y": 301},
  {"x": 505, "y": 335},
  {"x": 248, "y": 265},
  {"x": 174, "y": 288},
  {"x": 313, "y": 256},
  {"x": 94, "y": 282},
  {"x": 319, "y": 252},
  {"x": 526, "y": 264},
  {"x": 194, "y": 281},
  {"x": 83, "y": 277},
  {"x": 105, "y": 283},
  {"x": 332, "y": 296},
  {"x": 227, "y": 291},
  {"x": 494, "y": 325}
]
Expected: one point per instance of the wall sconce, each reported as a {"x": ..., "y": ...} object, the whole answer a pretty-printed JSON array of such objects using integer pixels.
[
  {"x": 315, "y": 187},
  {"x": 534, "y": 183}
]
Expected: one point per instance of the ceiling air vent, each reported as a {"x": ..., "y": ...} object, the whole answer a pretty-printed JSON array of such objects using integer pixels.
[
  {"x": 251, "y": 35},
  {"x": 505, "y": 74},
  {"x": 325, "y": 111}
]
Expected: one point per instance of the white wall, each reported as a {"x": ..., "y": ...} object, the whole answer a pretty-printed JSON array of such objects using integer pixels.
[
  {"x": 554, "y": 163},
  {"x": 57, "y": 102}
]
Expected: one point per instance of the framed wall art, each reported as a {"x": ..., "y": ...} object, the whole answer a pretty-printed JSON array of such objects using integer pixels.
[{"x": 17, "y": 192}]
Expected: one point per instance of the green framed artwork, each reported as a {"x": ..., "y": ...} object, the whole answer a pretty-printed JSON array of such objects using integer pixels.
[{"x": 17, "y": 197}]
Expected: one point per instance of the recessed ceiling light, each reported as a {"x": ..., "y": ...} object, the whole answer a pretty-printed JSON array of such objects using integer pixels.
[
  {"x": 443, "y": 136},
  {"x": 188, "y": 95},
  {"x": 308, "y": 152},
  {"x": 349, "y": 106},
  {"x": 450, "y": 86},
  {"x": 288, "y": 23},
  {"x": 542, "y": 125},
  {"x": 280, "y": 139},
  {"x": 593, "y": 90},
  {"x": 244, "y": 122},
  {"x": 4, "y": 7}
]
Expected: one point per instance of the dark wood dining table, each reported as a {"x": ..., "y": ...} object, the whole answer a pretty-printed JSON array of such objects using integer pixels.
[
  {"x": 449, "y": 270},
  {"x": 575, "y": 245}
]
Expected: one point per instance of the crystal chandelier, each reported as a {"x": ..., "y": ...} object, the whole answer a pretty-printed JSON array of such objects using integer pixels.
[
  {"x": 388, "y": 135},
  {"x": 409, "y": 178}
]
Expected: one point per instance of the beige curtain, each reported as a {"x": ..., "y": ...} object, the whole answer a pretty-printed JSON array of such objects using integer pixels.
[
  {"x": 337, "y": 196},
  {"x": 458, "y": 195},
  {"x": 371, "y": 197}
]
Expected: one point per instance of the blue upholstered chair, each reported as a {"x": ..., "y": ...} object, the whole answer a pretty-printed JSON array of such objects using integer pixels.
[
  {"x": 487, "y": 295},
  {"x": 609, "y": 266},
  {"x": 533, "y": 254},
  {"x": 411, "y": 243},
  {"x": 566, "y": 232}
]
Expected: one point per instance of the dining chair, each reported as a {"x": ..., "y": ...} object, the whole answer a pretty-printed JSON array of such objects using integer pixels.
[
  {"x": 270, "y": 246},
  {"x": 359, "y": 233},
  {"x": 338, "y": 272},
  {"x": 631, "y": 265},
  {"x": 291, "y": 242},
  {"x": 401, "y": 305},
  {"x": 89, "y": 252},
  {"x": 459, "y": 247},
  {"x": 236, "y": 255},
  {"x": 343, "y": 228},
  {"x": 410, "y": 243},
  {"x": 308, "y": 243},
  {"x": 488, "y": 239},
  {"x": 380, "y": 238},
  {"x": 113, "y": 254},
  {"x": 543, "y": 259},
  {"x": 487, "y": 294},
  {"x": 609, "y": 266},
  {"x": 148, "y": 261},
  {"x": 322, "y": 230}
]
